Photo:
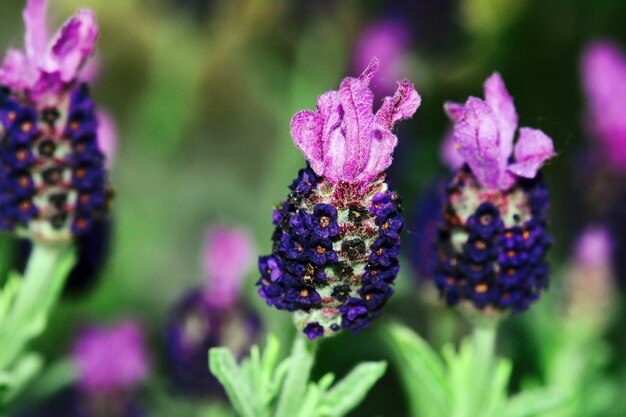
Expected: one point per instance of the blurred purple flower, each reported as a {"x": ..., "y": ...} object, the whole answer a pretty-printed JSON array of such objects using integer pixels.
[
  {"x": 47, "y": 65},
  {"x": 484, "y": 132},
  {"x": 227, "y": 256},
  {"x": 388, "y": 40},
  {"x": 107, "y": 136},
  {"x": 343, "y": 140},
  {"x": 604, "y": 83},
  {"x": 111, "y": 358},
  {"x": 594, "y": 247}
]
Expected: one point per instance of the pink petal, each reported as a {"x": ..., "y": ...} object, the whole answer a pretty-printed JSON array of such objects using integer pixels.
[
  {"x": 449, "y": 152},
  {"x": 36, "y": 38},
  {"x": 16, "y": 71},
  {"x": 477, "y": 136},
  {"x": 107, "y": 136},
  {"x": 72, "y": 45},
  {"x": 306, "y": 130},
  {"x": 401, "y": 106},
  {"x": 453, "y": 110},
  {"x": 357, "y": 101},
  {"x": 533, "y": 148},
  {"x": 604, "y": 70},
  {"x": 333, "y": 139},
  {"x": 227, "y": 256},
  {"x": 498, "y": 98}
]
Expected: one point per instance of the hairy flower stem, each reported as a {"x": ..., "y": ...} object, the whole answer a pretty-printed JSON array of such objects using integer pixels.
[
  {"x": 294, "y": 388},
  {"x": 41, "y": 286},
  {"x": 483, "y": 340}
]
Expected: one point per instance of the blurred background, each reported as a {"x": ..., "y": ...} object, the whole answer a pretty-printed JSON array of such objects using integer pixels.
[{"x": 202, "y": 93}]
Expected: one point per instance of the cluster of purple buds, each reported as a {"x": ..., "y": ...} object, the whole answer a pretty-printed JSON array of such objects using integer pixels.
[
  {"x": 212, "y": 315},
  {"x": 337, "y": 237},
  {"x": 493, "y": 234},
  {"x": 53, "y": 181}
]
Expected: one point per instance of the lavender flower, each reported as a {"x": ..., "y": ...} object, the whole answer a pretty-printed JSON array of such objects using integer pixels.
[
  {"x": 493, "y": 237},
  {"x": 212, "y": 316},
  {"x": 604, "y": 82},
  {"x": 336, "y": 242},
  {"x": 112, "y": 363},
  {"x": 590, "y": 281},
  {"x": 53, "y": 182}
]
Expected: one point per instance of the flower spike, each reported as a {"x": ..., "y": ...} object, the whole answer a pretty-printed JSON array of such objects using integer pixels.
[
  {"x": 493, "y": 238},
  {"x": 337, "y": 237}
]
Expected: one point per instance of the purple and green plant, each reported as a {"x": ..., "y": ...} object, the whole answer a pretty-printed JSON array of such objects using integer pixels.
[
  {"x": 488, "y": 260},
  {"x": 53, "y": 182},
  {"x": 334, "y": 256}
]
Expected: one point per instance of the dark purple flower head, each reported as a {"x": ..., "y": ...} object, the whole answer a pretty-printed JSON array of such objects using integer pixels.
[
  {"x": 195, "y": 326},
  {"x": 53, "y": 181},
  {"x": 491, "y": 248},
  {"x": 337, "y": 235}
]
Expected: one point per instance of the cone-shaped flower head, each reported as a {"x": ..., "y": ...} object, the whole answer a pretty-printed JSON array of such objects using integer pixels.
[
  {"x": 52, "y": 178},
  {"x": 111, "y": 358},
  {"x": 337, "y": 236},
  {"x": 604, "y": 83},
  {"x": 212, "y": 315},
  {"x": 493, "y": 238}
]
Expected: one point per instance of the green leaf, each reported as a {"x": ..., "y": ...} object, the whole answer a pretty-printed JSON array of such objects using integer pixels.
[
  {"x": 295, "y": 385},
  {"x": 534, "y": 402},
  {"x": 311, "y": 401},
  {"x": 223, "y": 365},
  {"x": 8, "y": 293},
  {"x": 22, "y": 373},
  {"x": 351, "y": 390},
  {"x": 422, "y": 372}
]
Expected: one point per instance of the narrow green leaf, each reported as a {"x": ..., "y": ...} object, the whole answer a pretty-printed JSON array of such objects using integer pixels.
[
  {"x": 422, "y": 372},
  {"x": 295, "y": 385},
  {"x": 311, "y": 401},
  {"x": 534, "y": 402},
  {"x": 351, "y": 390},
  {"x": 270, "y": 356},
  {"x": 326, "y": 381},
  {"x": 22, "y": 373},
  {"x": 8, "y": 293},
  {"x": 223, "y": 365}
]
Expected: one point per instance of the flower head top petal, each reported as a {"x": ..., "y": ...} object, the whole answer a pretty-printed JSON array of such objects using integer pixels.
[
  {"x": 227, "y": 256},
  {"x": 111, "y": 358},
  {"x": 49, "y": 65},
  {"x": 484, "y": 132},
  {"x": 344, "y": 140},
  {"x": 604, "y": 83}
]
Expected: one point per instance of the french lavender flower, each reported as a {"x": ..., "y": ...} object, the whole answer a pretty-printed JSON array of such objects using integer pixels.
[
  {"x": 337, "y": 237},
  {"x": 604, "y": 84},
  {"x": 212, "y": 315},
  {"x": 112, "y": 363},
  {"x": 493, "y": 237},
  {"x": 53, "y": 178},
  {"x": 590, "y": 281}
]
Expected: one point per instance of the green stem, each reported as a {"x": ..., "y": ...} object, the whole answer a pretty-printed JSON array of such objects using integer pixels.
[
  {"x": 295, "y": 384},
  {"x": 41, "y": 285},
  {"x": 484, "y": 343}
]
